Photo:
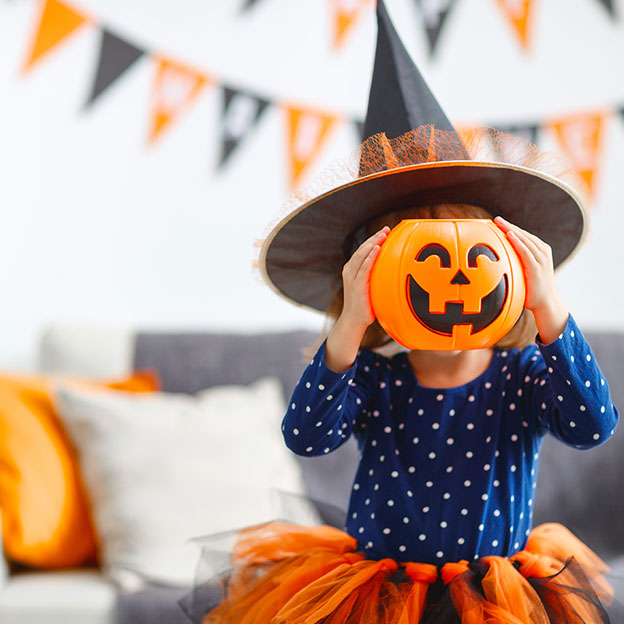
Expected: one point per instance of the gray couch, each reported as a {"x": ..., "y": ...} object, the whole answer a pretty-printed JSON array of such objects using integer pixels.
[{"x": 581, "y": 489}]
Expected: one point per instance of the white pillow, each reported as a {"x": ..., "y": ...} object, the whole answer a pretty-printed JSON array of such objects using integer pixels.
[{"x": 161, "y": 468}]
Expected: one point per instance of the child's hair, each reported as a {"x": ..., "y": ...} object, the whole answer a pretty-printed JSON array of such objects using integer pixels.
[{"x": 521, "y": 334}]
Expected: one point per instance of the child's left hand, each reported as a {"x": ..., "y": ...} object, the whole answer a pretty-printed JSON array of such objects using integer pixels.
[{"x": 542, "y": 297}]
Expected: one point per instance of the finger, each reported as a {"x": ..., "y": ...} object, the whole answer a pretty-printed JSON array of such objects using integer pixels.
[
  {"x": 364, "y": 249},
  {"x": 367, "y": 266},
  {"x": 521, "y": 234},
  {"x": 536, "y": 245},
  {"x": 527, "y": 257}
]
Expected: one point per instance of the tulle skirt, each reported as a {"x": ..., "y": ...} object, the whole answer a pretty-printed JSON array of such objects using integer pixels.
[{"x": 281, "y": 573}]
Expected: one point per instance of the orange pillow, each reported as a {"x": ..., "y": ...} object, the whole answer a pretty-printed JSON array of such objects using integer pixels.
[{"x": 45, "y": 515}]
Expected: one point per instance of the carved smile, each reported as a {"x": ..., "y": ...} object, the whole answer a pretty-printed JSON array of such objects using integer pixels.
[{"x": 442, "y": 323}]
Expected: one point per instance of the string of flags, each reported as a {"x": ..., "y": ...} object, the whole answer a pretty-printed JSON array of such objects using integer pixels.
[{"x": 177, "y": 85}]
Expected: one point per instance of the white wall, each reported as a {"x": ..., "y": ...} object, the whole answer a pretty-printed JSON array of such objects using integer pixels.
[{"x": 97, "y": 227}]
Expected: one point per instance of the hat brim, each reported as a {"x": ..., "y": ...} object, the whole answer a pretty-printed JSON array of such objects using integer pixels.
[{"x": 302, "y": 258}]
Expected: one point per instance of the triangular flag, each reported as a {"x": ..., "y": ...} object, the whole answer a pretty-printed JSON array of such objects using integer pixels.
[
  {"x": 116, "y": 56},
  {"x": 175, "y": 87},
  {"x": 57, "y": 21},
  {"x": 344, "y": 15},
  {"x": 524, "y": 131},
  {"x": 580, "y": 138},
  {"x": 434, "y": 14},
  {"x": 241, "y": 112},
  {"x": 306, "y": 133},
  {"x": 247, "y": 4},
  {"x": 359, "y": 128},
  {"x": 608, "y": 4},
  {"x": 621, "y": 112},
  {"x": 518, "y": 12}
]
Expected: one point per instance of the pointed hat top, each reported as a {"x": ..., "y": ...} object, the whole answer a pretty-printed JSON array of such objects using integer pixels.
[{"x": 399, "y": 99}]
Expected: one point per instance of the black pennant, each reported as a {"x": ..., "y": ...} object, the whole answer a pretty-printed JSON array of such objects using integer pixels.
[
  {"x": 434, "y": 14},
  {"x": 247, "y": 4},
  {"x": 524, "y": 131},
  {"x": 116, "y": 56},
  {"x": 241, "y": 112},
  {"x": 608, "y": 4}
]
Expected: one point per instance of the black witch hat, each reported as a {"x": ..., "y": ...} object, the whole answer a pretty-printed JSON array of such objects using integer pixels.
[{"x": 412, "y": 156}]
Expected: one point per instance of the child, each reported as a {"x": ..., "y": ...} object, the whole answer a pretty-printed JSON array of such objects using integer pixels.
[{"x": 440, "y": 514}]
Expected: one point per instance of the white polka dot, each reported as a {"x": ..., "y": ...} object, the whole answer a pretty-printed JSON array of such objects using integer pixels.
[
  {"x": 421, "y": 411},
  {"x": 554, "y": 357},
  {"x": 588, "y": 383},
  {"x": 432, "y": 455},
  {"x": 488, "y": 439},
  {"x": 415, "y": 440},
  {"x": 307, "y": 384},
  {"x": 497, "y": 512},
  {"x": 471, "y": 398},
  {"x": 319, "y": 423},
  {"x": 321, "y": 387},
  {"x": 387, "y": 429},
  {"x": 308, "y": 409},
  {"x": 382, "y": 458},
  {"x": 372, "y": 516},
  {"x": 481, "y": 527},
  {"x": 394, "y": 474},
  {"x": 461, "y": 540},
  {"x": 410, "y": 493},
  {"x": 401, "y": 425},
  {"x": 470, "y": 426},
  {"x": 429, "y": 484},
  {"x": 386, "y": 531},
  {"x": 309, "y": 449},
  {"x": 440, "y": 397},
  {"x": 390, "y": 502},
  {"x": 450, "y": 441},
  {"x": 439, "y": 554},
  {"x": 572, "y": 333},
  {"x": 496, "y": 453},
  {"x": 572, "y": 424},
  {"x": 602, "y": 382},
  {"x": 464, "y": 512},
  {"x": 582, "y": 408},
  {"x": 488, "y": 385},
  {"x": 519, "y": 393},
  {"x": 449, "y": 469},
  {"x": 513, "y": 498},
  {"x": 469, "y": 454},
  {"x": 512, "y": 406},
  {"x": 602, "y": 409},
  {"x": 422, "y": 537},
  {"x": 376, "y": 487},
  {"x": 402, "y": 548},
  {"x": 425, "y": 509},
  {"x": 467, "y": 483},
  {"x": 382, "y": 384},
  {"x": 443, "y": 524},
  {"x": 559, "y": 397},
  {"x": 596, "y": 436},
  {"x": 361, "y": 530},
  {"x": 405, "y": 520},
  {"x": 513, "y": 468},
  {"x": 452, "y": 412},
  {"x": 356, "y": 486},
  {"x": 588, "y": 357},
  {"x": 295, "y": 431},
  {"x": 398, "y": 382},
  {"x": 514, "y": 437},
  {"x": 486, "y": 467},
  {"x": 447, "y": 495},
  {"x": 373, "y": 442},
  {"x": 484, "y": 497},
  {"x": 435, "y": 425},
  {"x": 412, "y": 469},
  {"x": 550, "y": 370},
  {"x": 494, "y": 543}
]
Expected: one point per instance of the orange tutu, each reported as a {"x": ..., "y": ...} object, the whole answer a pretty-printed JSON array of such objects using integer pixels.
[{"x": 288, "y": 574}]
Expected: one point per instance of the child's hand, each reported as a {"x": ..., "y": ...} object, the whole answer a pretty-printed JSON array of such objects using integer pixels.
[
  {"x": 356, "y": 281},
  {"x": 542, "y": 297},
  {"x": 345, "y": 337}
]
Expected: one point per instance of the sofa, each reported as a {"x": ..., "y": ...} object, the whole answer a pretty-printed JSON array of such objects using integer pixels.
[{"x": 583, "y": 490}]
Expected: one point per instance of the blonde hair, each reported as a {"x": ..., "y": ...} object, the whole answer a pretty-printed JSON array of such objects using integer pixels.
[{"x": 521, "y": 334}]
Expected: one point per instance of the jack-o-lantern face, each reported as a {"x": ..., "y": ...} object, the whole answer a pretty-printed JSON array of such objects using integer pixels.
[{"x": 447, "y": 284}]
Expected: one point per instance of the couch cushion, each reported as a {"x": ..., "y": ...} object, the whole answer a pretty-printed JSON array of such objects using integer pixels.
[{"x": 61, "y": 597}]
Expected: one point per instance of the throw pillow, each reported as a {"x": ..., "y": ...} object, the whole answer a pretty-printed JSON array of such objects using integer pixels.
[
  {"x": 45, "y": 517},
  {"x": 164, "y": 468}
]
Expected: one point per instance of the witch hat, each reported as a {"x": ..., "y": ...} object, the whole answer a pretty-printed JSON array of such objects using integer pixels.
[{"x": 412, "y": 156}]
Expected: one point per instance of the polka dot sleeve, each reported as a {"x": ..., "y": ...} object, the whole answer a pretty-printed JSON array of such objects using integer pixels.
[
  {"x": 326, "y": 406},
  {"x": 569, "y": 393}
]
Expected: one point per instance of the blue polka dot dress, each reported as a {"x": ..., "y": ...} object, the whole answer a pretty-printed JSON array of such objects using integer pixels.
[{"x": 450, "y": 474}]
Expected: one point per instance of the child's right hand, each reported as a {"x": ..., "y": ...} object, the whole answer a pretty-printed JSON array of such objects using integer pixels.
[
  {"x": 345, "y": 337},
  {"x": 356, "y": 281}
]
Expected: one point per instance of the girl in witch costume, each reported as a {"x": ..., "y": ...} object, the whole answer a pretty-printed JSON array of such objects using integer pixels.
[{"x": 439, "y": 524}]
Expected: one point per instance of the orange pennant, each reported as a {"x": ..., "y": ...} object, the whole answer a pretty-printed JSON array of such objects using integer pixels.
[
  {"x": 345, "y": 12},
  {"x": 306, "y": 132},
  {"x": 518, "y": 12},
  {"x": 175, "y": 87},
  {"x": 57, "y": 21},
  {"x": 580, "y": 137}
]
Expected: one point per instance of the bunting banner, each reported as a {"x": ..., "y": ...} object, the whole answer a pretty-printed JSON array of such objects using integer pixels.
[
  {"x": 344, "y": 14},
  {"x": 580, "y": 139},
  {"x": 519, "y": 13},
  {"x": 307, "y": 130},
  {"x": 56, "y": 22},
  {"x": 116, "y": 56},
  {"x": 247, "y": 4},
  {"x": 175, "y": 88},
  {"x": 434, "y": 14},
  {"x": 608, "y": 4},
  {"x": 241, "y": 113}
]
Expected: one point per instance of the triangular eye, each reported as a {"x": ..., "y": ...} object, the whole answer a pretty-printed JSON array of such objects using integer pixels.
[
  {"x": 478, "y": 250},
  {"x": 435, "y": 250}
]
